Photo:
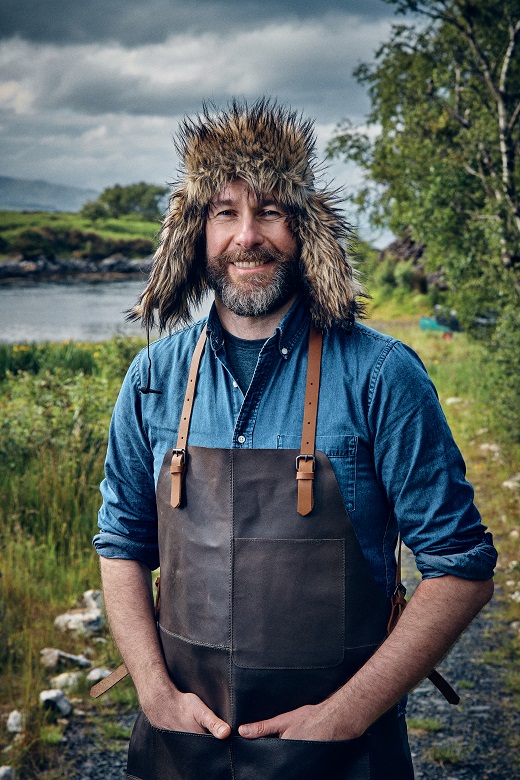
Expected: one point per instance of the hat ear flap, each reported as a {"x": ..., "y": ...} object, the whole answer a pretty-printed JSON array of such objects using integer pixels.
[
  {"x": 178, "y": 276},
  {"x": 330, "y": 281}
]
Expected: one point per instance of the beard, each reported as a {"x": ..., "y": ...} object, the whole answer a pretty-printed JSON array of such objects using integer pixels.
[{"x": 264, "y": 292}]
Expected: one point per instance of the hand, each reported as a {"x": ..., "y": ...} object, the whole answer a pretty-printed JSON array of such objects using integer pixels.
[
  {"x": 312, "y": 722},
  {"x": 178, "y": 711}
]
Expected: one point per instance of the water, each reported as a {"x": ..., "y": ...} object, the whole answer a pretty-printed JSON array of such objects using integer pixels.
[{"x": 82, "y": 311}]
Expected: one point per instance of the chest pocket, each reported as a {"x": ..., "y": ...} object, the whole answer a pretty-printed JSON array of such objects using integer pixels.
[{"x": 341, "y": 450}]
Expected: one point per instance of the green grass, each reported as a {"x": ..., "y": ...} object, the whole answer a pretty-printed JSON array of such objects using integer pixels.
[
  {"x": 12, "y": 222},
  {"x": 425, "y": 724}
]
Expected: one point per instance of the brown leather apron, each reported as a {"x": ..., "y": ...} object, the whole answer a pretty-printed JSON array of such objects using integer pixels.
[{"x": 263, "y": 609}]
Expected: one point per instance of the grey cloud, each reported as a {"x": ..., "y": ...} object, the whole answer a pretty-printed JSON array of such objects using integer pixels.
[{"x": 133, "y": 22}]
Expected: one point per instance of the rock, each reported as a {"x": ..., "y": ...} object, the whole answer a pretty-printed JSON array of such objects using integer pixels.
[
  {"x": 56, "y": 700},
  {"x": 67, "y": 680},
  {"x": 494, "y": 449},
  {"x": 513, "y": 483},
  {"x": 83, "y": 621},
  {"x": 15, "y": 722},
  {"x": 515, "y": 596},
  {"x": 51, "y": 657},
  {"x": 453, "y": 400},
  {"x": 7, "y": 773},
  {"x": 95, "y": 675},
  {"x": 93, "y": 599}
]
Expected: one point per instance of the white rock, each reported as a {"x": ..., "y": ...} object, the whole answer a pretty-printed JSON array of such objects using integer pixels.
[
  {"x": 51, "y": 657},
  {"x": 453, "y": 400},
  {"x": 95, "y": 675},
  {"x": 83, "y": 621},
  {"x": 15, "y": 722},
  {"x": 494, "y": 449},
  {"x": 515, "y": 596},
  {"x": 7, "y": 773},
  {"x": 93, "y": 599},
  {"x": 514, "y": 534},
  {"x": 67, "y": 680},
  {"x": 513, "y": 483},
  {"x": 56, "y": 699}
]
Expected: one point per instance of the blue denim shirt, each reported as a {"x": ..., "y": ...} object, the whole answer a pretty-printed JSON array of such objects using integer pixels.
[{"x": 379, "y": 422}]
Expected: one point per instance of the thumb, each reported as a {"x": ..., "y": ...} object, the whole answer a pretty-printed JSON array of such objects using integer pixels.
[{"x": 262, "y": 728}]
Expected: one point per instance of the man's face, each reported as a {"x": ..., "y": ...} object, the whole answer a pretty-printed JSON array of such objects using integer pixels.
[{"x": 251, "y": 253}]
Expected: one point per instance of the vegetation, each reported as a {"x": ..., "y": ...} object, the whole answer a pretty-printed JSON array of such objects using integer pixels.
[
  {"x": 65, "y": 235},
  {"x": 138, "y": 200},
  {"x": 444, "y": 165}
]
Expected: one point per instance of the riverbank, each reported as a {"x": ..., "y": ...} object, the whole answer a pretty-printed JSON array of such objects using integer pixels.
[{"x": 42, "y": 269}]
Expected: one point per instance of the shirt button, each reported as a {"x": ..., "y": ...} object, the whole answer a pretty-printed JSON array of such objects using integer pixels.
[
  {"x": 241, "y": 439},
  {"x": 235, "y": 383},
  {"x": 284, "y": 351}
]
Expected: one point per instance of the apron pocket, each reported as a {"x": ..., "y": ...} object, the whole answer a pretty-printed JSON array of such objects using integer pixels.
[
  {"x": 157, "y": 754},
  {"x": 273, "y": 759},
  {"x": 288, "y": 603}
]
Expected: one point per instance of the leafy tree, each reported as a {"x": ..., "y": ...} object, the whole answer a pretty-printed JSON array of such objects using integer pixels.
[
  {"x": 142, "y": 200},
  {"x": 443, "y": 157}
]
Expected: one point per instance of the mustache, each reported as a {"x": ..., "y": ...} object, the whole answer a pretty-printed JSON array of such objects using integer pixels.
[{"x": 258, "y": 254}]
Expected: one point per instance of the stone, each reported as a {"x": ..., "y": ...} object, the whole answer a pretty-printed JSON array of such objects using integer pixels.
[
  {"x": 494, "y": 449},
  {"x": 7, "y": 773},
  {"x": 15, "y": 722},
  {"x": 56, "y": 700},
  {"x": 453, "y": 400},
  {"x": 95, "y": 675},
  {"x": 513, "y": 483},
  {"x": 93, "y": 599},
  {"x": 83, "y": 621},
  {"x": 51, "y": 657},
  {"x": 67, "y": 680}
]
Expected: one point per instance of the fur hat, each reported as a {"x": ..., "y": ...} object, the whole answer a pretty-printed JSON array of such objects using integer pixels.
[{"x": 273, "y": 150}]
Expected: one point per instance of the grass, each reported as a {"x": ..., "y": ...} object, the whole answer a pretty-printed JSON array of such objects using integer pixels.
[
  {"x": 55, "y": 407},
  {"x": 13, "y": 222},
  {"x": 425, "y": 724}
]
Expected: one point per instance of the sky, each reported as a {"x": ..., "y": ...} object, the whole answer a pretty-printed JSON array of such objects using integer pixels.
[{"x": 91, "y": 91}]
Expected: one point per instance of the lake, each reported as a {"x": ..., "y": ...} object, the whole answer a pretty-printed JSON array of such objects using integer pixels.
[{"x": 82, "y": 311}]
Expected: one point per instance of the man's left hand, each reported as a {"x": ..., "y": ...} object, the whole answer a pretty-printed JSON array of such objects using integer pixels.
[{"x": 312, "y": 722}]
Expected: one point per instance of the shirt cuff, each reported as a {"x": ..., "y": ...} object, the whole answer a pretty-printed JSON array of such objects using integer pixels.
[
  {"x": 109, "y": 545},
  {"x": 475, "y": 564}
]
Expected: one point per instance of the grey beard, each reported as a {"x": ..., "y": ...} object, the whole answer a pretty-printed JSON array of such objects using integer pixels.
[{"x": 256, "y": 297}]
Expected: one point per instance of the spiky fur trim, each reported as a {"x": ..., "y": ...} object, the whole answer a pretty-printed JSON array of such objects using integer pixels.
[{"x": 272, "y": 149}]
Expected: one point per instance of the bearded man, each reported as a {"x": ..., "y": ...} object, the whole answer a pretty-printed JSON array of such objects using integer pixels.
[{"x": 271, "y": 498}]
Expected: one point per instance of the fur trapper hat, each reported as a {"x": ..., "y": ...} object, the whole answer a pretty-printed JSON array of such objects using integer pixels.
[{"x": 273, "y": 150}]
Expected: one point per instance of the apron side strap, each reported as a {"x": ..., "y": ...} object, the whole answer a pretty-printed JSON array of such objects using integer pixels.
[
  {"x": 108, "y": 682},
  {"x": 305, "y": 462},
  {"x": 444, "y": 687},
  {"x": 178, "y": 463}
]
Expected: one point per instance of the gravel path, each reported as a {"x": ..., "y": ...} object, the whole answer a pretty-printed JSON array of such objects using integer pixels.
[{"x": 469, "y": 742}]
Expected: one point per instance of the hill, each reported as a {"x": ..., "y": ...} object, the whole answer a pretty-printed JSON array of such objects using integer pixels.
[{"x": 39, "y": 195}]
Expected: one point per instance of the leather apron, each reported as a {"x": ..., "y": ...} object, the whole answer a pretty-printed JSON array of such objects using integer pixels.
[{"x": 262, "y": 610}]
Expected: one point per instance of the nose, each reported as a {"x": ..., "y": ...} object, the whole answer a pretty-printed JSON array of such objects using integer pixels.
[{"x": 248, "y": 233}]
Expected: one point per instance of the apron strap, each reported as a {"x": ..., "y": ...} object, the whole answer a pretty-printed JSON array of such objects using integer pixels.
[
  {"x": 398, "y": 605},
  {"x": 306, "y": 461},
  {"x": 178, "y": 462}
]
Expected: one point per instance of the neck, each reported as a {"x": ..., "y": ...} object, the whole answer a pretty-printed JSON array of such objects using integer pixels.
[{"x": 251, "y": 327}]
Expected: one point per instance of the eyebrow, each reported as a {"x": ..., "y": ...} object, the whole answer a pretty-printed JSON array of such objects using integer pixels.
[{"x": 268, "y": 200}]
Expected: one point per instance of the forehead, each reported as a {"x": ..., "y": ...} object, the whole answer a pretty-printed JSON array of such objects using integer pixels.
[{"x": 240, "y": 192}]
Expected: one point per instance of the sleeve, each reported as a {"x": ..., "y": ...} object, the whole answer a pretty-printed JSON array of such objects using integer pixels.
[
  {"x": 128, "y": 516},
  {"x": 422, "y": 471}
]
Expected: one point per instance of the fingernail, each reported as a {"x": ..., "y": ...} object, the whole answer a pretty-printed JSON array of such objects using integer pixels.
[
  {"x": 221, "y": 729},
  {"x": 245, "y": 730}
]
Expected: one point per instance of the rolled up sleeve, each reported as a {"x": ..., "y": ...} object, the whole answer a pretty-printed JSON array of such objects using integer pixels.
[
  {"x": 423, "y": 472},
  {"x": 128, "y": 516}
]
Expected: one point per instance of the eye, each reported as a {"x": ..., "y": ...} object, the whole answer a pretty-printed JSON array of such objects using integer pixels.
[{"x": 272, "y": 212}]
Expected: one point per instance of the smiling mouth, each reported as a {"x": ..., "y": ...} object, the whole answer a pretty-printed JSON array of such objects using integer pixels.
[{"x": 249, "y": 263}]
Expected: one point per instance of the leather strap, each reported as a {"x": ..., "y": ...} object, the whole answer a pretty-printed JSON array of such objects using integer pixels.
[
  {"x": 398, "y": 605},
  {"x": 306, "y": 462},
  {"x": 178, "y": 462}
]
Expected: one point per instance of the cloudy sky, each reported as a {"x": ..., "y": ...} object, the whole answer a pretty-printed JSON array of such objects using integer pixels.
[{"x": 91, "y": 91}]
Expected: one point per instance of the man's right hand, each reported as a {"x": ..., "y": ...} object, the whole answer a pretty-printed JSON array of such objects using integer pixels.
[{"x": 178, "y": 711}]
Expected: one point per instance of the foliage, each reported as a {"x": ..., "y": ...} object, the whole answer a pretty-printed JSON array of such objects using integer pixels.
[
  {"x": 140, "y": 199},
  {"x": 445, "y": 164},
  {"x": 58, "y": 235}
]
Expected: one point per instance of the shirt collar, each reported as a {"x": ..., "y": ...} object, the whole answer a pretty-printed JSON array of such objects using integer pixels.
[{"x": 287, "y": 333}]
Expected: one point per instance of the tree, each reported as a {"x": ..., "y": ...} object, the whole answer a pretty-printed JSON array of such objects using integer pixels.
[
  {"x": 444, "y": 162},
  {"x": 142, "y": 200}
]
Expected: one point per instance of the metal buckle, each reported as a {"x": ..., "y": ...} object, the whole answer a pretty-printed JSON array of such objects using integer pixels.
[
  {"x": 399, "y": 588},
  {"x": 306, "y": 458},
  {"x": 180, "y": 452}
]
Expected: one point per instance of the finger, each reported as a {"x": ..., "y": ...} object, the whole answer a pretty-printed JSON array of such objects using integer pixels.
[
  {"x": 262, "y": 728},
  {"x": 209, "y": 721}
]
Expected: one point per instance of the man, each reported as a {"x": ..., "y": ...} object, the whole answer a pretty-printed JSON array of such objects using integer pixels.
[{"x": 273, "y": 499}]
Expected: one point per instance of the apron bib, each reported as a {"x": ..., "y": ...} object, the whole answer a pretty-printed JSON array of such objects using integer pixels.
[{"x": 262, "y": 610}]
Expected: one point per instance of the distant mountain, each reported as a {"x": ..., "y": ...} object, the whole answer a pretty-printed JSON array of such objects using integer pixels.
[{"x": 27, "y": 195}]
